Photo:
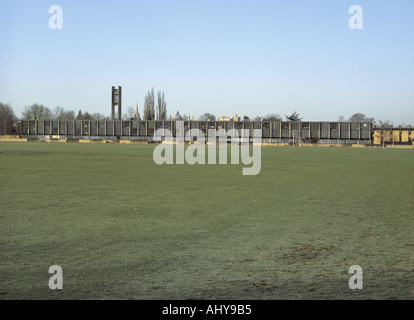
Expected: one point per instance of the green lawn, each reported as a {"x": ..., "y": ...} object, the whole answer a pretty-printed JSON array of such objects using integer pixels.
[{"x": 122, "y": 227}]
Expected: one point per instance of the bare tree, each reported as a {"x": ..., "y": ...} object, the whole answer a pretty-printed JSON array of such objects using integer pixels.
[
  {"x": 385, "y": 131},
  {"x": 84, "y": 116},
  {"x": 272, "y": 117},
  {"x": 341, "y": 119},
  {"x": 357, "y": 117},
  {"x": 97, "y": 116},
  {"x": 58, "y": 113},
  {"x": 161, "y": 107},
  {"x": 68, "y": 115},
  {"x": 129, "y": 115},
  {"x": 37, "y": 112},
  {"x": 7, "y": 119},
  {"x": 207, "y": 117},
  {"x": 293, "y": 117},
  {"x": 360, "y": 117},
  {"x": 149, "y": 106}
]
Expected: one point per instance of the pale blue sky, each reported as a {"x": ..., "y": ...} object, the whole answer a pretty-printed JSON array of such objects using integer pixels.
[{"x": 219, "y": 56}]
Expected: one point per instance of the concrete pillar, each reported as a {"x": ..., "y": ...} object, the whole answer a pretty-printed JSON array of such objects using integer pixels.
[{"x": 120, "y": 103}]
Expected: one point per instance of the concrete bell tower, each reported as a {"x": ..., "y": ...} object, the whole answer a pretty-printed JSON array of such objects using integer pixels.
[{"x": 116, "y": 101}]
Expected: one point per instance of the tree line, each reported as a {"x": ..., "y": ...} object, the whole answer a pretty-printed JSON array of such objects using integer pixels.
[
  {"x": 269, "y": 117},
  {"x": 153, "y": 110},
  {"x": 295, "y": 116}
]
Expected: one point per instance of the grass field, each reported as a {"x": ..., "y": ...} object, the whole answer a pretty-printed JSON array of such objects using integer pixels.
[{"x": 122, "y": 227}]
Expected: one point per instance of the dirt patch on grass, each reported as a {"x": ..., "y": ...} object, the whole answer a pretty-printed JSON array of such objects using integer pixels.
[{"x": 305, "y": 253}]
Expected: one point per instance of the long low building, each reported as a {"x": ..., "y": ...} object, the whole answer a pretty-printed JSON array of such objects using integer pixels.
[{"x": 271, "y": 131}]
